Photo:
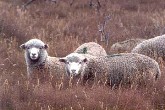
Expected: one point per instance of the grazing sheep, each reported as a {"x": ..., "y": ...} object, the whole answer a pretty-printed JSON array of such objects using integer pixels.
[
  {"x": 125, "y": 68},
  {"x": 154, "y": 48},
  {"x": 125, "y": 46},
  {"x": 39, "y": 64},
  {"x": 91, "y": 48}
]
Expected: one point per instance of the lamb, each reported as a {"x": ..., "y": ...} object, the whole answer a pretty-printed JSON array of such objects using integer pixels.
[
  {"x": 113, "y": 70},
  {"x": 154, "y": 48},
  {"x": 125, "y": 46},
  {"x": 39, "y": 64},
  {"x": 91, "y": 48}
]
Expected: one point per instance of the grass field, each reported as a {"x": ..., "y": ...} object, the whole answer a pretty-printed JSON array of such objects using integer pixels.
[{"x": 64, "y": 27}]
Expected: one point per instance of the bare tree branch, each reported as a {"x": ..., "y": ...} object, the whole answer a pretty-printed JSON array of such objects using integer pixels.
[{"x": 104, "y": 35}]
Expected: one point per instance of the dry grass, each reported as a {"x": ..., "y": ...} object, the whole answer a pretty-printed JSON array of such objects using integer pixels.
[{"x": 64, "y": 28}]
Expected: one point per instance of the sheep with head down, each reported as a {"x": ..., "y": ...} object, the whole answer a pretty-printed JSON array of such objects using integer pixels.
[
  {"x": 39, "y": 64},
  {"x": 154, "y": 48},
  {"x": 91, "y": 48},
  {"x": 125, "y": 46},
  {"x": 125, "y": 68}
]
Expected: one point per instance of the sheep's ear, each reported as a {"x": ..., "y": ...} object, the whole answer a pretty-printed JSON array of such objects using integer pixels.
[
  {"x": 62, "y": 60},
  {"x": 85, "y": 50},
  {"x": 22, "y": 46},
  {"x": 46, "y": 46},
  {"x": 85, "y": 60}
]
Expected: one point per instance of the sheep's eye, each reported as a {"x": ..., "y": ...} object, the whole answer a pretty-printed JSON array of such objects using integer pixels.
[
  {"x": 80, "y": 62},
  {"x": 28, "y": 47},
  {"x": 41, "y": 47},
  {"x": 67, "y": 62}
]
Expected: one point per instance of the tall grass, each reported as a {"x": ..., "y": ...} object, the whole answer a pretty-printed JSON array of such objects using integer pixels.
[{"x": 64, "y": 28}]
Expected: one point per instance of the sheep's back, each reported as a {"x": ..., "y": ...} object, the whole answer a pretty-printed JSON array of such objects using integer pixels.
[
  {"x": 91, "y": 48},
  {"x": 125, "y": 46},
  {"x": 125, "y": 67},
  {"x": 153, "y": 48}
]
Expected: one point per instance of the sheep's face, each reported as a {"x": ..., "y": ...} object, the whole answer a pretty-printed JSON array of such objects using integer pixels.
[
  {"x": 34, "y": 49},
  {"x": 34, "y": 53},
  {"x": 74, "y": 64}
]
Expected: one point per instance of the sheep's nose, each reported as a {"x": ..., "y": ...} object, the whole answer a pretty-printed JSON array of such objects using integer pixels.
[
  {"x": 73, "y": 71},
  {"x": 33, "y": 54}
]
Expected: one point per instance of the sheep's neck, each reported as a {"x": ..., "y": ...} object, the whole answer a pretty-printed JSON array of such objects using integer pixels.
[{"x": 40, "y": 65}]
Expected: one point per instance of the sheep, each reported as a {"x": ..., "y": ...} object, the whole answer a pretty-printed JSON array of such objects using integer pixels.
[
  {"x": 75, "y": 63},
  {"x": 113, "y": 70},
  {"x": 39, "y": 64},
  {"x": 91, "y": 48},
  {"x": 125, "y": 46},
  {"x": 154, "y": 48}
]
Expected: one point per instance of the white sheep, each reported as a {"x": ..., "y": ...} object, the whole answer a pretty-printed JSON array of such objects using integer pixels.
[
  {"x": 125, "y": 46},
  {"x": 39, "y": 64},
  {"x": 75, "y": 63},
  {"x": 91, "y": 48},
  {"x": 154, "y": 48},
  {"x": 125, "y": 68}
]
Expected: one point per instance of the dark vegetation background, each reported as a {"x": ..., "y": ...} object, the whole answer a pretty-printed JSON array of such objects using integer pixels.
[{"x": 64, "y": 27}]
